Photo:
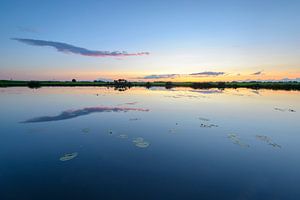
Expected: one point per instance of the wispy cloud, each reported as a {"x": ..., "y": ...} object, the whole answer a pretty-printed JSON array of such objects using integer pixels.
[
  {"x": 171, "y": 76},
  {"x": 290, "y": 79},
  {"x": 80, "y": 112},
  {"x": 257, "y": 73},
  {"x": 104, "y": 79},
  {"x": 208, "y": 73},
  {"x": 160, "y": 76},
  {"x": 68, "y": 48},
  {"x": 27, "y": 29}
]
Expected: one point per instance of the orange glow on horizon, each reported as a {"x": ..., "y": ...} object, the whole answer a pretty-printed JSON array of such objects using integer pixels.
[{"x": 138, "y": 76}]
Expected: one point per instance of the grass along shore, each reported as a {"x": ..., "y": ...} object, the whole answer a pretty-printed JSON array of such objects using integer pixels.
[{"x": 125, "y": 84}]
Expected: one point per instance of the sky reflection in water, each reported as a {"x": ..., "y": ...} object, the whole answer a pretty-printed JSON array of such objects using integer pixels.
[
  {"x": 200, "y": 145},
  {"x": 80, "y": 112}
]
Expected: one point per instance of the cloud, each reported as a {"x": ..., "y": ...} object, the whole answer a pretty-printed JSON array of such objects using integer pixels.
[
  {"x": 289, "y": 79},
  {"x": 104, "y": 79},
  {"x": 209, "y": 73},
  {"x": 160, "y": 76},
  {"x": 171, "y": 76},
  {"x": 257, "y": 73},
  {"x": 67, "y": 48},
  {"x": 80, "y": 112},
  {"x": 27, "y": 29}
]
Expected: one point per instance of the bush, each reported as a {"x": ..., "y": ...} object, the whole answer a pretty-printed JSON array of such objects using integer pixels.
[
  {"x": 33, "y": 84},
  {"x": 169, "y": 85}
]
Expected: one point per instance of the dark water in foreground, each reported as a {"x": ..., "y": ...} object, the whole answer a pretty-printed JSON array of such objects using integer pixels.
[{"x": 196, "y": 144}]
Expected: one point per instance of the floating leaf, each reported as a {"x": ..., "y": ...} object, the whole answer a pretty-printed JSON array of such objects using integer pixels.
[
  {"x": 85, "y": 130},
  {"x": 279, "y": 109},
  {"x": 143, "y": 144},
  {"x": 134, "y": 119},
  {"x": 284, "y": 109},
  {"x": 123, "y": 136},
  {"x": 68, "y": 156},
  {"x": 203, "y": 119},
  {"x": 268, "y": 140},
  {"x": 173, "y": 130},
  {"x": 208, "y": 125},
  {"x": 140, "y": 142},
  {"x": 138, "y": 139},
  {"x": 236, "y": 140}
]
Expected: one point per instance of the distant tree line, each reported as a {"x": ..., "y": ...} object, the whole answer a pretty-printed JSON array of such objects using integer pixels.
[{"x": 122, "y": 84}]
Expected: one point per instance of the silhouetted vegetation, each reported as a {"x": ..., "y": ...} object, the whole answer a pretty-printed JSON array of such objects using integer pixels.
[
  {"x": 148, "y": 85},
  {"x": 74, "y": 80},
  {"x": 122, "y": 84},
  {"x": 169, "y": 85},
  {"x": 203, "y": 85},
  {"x": 221, "y": 85},
  {"x": 34, "y": 84}
]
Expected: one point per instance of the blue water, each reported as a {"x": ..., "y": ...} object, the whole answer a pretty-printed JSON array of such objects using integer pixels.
[{"x": 203, "y": 144}]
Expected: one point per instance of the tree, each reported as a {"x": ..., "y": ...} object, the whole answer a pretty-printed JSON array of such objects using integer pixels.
[
  {"x": 73, "y": 80},
  {"x": 34, "y": 84},
  {"x": 148, "y": 85},
  {"x": 169, "y": 85}
]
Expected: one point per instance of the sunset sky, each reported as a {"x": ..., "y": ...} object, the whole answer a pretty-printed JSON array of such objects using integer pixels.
[{"x": 200, "y": 40}]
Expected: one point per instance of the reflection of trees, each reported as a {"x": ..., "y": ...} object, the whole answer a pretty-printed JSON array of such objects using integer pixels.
[
  {"x": 121, "y": 88},
  {"x": 122, "y": 85},
  {"x": 148, "y": 85},
  {"x": 202, "y": 85},
  {"x": 169, "y": 85}
]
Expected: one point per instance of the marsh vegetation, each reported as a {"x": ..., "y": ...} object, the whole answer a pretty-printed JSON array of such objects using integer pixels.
[{"x": 122, "y": 84}]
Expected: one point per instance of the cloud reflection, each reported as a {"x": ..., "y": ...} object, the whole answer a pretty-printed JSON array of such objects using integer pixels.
[
  {"x": 210, "y": 91},
  {"x": 80, "y": 112}
]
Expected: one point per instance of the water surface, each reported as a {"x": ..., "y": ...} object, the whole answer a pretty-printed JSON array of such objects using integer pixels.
[{"x": 80, "y": 143}]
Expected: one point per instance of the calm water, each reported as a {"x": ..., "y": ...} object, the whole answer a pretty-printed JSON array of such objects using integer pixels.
[{"x": 197, "y": 144}]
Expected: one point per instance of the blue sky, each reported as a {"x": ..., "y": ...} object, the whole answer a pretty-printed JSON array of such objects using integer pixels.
[{"x": 183, "y": 37}]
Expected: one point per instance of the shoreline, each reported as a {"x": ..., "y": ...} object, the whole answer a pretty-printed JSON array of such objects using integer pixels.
[{"x": 168, "y": 85}]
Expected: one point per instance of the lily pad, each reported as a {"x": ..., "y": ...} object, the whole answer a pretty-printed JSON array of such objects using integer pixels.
[
  {"x": 123, "y": 136},
  {"x": 85, "y": 130},
  {"x": 68, "y": 156},
  {"x": 236, "y": 140},
  {"x": 285, "y": 109},
  {"x": 263, "y": 138},
  {"x": 268, "y": 140},
  {"x": 208, "y": 125},
  {"x": 275, "y": 145},
  {"x": 134, "y": 119},
  {"x": 203, "y": 119},
  {"x": 143, "y": 144},
  {"x": 173, "y": 130},
  {"x": 279, "y": 109},
  {"x": 138, "y": 140}
]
